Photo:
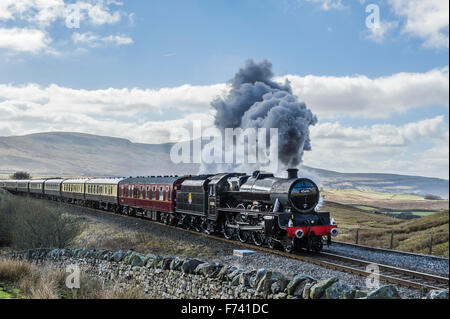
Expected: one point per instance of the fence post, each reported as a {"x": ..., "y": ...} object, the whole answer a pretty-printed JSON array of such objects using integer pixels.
[
  {"x": 431, "y": 244},
  {"x": 392, "y": 240},
  {"x": 357, "y": 235}
]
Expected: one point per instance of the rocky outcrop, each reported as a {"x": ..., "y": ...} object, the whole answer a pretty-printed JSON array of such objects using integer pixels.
[{"x": 175, "y": 277}]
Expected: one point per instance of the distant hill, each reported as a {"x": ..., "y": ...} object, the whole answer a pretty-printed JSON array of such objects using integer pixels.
[
  {"x": 85, "y": 154},
  {"x": 61, "y": 153},
  {"x": 386, "y": 183}
]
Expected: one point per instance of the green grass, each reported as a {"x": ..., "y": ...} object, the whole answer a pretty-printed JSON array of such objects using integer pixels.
[
  {"x": 421, "y": 214},
  {"x": 5, "y": 295},
  {"x": 8, "y": 292}
]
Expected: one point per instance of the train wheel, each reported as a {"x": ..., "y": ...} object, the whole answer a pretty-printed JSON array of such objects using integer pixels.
[
  {"x": 271, "y": 243},
  {"x": 197, "y": 223},
  {"x": 258, "y": 238},
  {"x": 228, "y": 232},
  {"x": 243, "y": 236},
  {"x": 165, "y": 218},
  {"x": 317, "y": 244},
  {"x": 288, "y": 244}
]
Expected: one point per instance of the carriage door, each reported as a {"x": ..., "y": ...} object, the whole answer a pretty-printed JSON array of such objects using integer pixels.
[{"x": 212, "y": 201}]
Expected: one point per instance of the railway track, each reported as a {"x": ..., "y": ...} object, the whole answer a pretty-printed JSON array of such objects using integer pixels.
[
  {"x": 391, "y": 274},
  {"x": 391, "y": 251}
]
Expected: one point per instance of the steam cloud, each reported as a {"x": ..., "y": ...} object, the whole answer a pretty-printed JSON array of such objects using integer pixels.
[{"x": 255, "y": 101}]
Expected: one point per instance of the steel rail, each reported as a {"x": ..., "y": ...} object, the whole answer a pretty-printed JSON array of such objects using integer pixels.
[{"x": 392, "y": 251}]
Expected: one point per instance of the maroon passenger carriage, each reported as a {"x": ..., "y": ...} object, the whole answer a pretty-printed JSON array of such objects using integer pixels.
[{"x": 150, "y": 196}]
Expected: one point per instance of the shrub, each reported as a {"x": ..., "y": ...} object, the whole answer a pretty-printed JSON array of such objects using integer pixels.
[
  {"x": 27, "y": 223},
  {"x": 20, "y": 175}
]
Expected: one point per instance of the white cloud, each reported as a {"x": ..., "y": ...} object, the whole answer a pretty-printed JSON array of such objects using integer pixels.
[
  {"x": 98, "y": 13},
  {"x": 23, "y": 40},
  {"x": 35, "y": 16},
  {"x": 126, "y": 112},
  {"x": 333, "y": 97},
  {"x": 329, "y": 4},
  {"x": 45, "y": 12},
  {"x": 328, "y": 97},
  {"x": 95, "y": 40},
  {"x": 427, "y": 19},
  {"x": 378, "y": 34},
  {"x": 382, "y": 148}
]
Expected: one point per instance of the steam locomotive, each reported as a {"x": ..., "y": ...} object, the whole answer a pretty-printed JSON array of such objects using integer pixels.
[{"x": 261, "y": 208}]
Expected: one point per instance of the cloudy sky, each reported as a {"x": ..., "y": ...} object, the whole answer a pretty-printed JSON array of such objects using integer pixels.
[{"x": 137, "y": 69}]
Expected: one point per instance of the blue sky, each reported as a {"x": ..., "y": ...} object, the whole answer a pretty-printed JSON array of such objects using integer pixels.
[{"x": 136, "y": 68}]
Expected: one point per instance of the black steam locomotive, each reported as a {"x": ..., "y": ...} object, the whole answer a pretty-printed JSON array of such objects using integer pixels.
[{"x": 279, "y": 212}]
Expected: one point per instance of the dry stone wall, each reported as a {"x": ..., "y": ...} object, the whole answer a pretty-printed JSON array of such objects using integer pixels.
[{"x": 173, "y": 277}]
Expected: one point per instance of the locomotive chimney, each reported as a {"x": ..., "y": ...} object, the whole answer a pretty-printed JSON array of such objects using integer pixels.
[{"x": 292, "y": 173}]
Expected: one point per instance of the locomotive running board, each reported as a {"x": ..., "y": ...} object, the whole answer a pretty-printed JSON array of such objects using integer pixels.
[
  {"x": 245, "y": 227},
  {"x": 246, "y": 211}
]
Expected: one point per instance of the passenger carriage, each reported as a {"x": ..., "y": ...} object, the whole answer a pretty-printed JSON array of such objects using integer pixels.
[
  {"x": 36, "y": 187},
  {"x": 73, "y": 190},
  {"x": 102, "y": 193},
  {"x": 151, "y": 196},
  {"x": 11, "y": 185},
  {"x": 22, "y": 186},
  {"x": 52, "y": 188}
]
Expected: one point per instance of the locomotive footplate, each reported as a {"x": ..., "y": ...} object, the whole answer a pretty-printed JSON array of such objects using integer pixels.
[
  {"x": 246, "y": 211},
  {"x": 250, "y": 228}
]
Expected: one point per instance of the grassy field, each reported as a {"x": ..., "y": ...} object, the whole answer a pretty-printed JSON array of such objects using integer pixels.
[
  {"x": 369, "y": 200},
  {"x": 375, "y": 230},
  {"x": 375, "y": 209},
  {"x": 98, "y": 235},
  {"x": 421, "y": 214},
  {"x": 372, "y": 194}
]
